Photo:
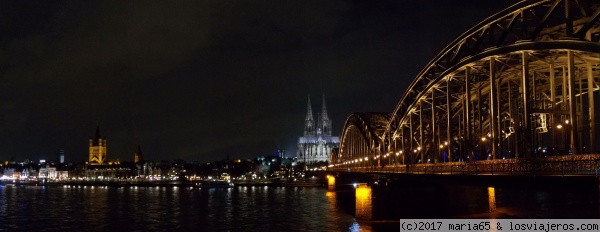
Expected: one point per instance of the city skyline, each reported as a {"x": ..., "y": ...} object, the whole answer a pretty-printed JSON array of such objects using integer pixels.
[{"x": 203, "y": 80}]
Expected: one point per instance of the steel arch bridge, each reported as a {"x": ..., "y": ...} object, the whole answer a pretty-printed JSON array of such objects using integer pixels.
[{"x": 522, "y": 83}]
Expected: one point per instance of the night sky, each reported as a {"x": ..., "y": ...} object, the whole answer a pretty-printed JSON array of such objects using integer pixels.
[{"x": 200, "y": 80}]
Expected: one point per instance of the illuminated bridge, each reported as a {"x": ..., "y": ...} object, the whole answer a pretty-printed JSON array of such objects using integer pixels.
[{"x": 517, "y": 93}]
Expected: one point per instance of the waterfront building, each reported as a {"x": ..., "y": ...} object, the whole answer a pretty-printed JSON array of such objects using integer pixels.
[
  {"x": 43, "y": 173},
  {"x": 62, "y": 174},
  {"x": 317, "y": 141},
  {"x": 47, "y": 172},
  {"x": 97, "y": 155}
]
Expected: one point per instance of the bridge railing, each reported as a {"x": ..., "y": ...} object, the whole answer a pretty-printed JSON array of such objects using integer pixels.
[{"x": 555, "y": 167}]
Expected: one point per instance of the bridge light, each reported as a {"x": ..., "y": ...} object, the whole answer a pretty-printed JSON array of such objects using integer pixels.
[
  {"x": 415, "y": 150},
  {"x": 559, "y": 126},
  {"x": 489, "y": 135},
  {"x": 483, "y": 139},
  {"x": 366, "y": 158},
  {"x": 360, "y": 159},
  {"x": 400, "y": 152},
  {"x": 441, "y": 145},
  {"x": 446, "y": 143},
  {"x": 397, "y": 153},
  {"x": 567, "y": 121},
  {"x": 419, "y": 148}
]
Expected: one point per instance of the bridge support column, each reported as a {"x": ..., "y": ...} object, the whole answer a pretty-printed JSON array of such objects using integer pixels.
[
  {"x": 591, "y": 107},
  {"x": 526, "y": 106},
  {"x": 330, "y": 183},
  {"x": 468, "y": 133},
  {"x": 553, "y": 116},
  {"x": 572, "y": 103},
  {"x": 448, "y": 120},
  {"x": 493, "y": 108},
  {"x": 434, "y": 136},
  {"x": 364, "y": 202},
  {"x": 403, "y": 153},
  {"x": 412, "y": 152},
  {"x": 421, "y": 145}
]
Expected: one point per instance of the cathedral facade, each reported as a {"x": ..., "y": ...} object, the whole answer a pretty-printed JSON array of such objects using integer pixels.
[{"x": 316, "y": 143}]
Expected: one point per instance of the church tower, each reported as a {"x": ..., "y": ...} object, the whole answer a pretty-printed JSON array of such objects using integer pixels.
[
  {"x": 309, "y": 122},
  {"x": 138, "y": 156},
  {"x": 97, "y": 149},
  {"x": 325, "y": 121}
]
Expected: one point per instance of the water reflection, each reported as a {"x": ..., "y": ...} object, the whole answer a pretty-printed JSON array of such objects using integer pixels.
[
  {"x": 276, "y": 209},
  {"x": 364, "y": 204}
]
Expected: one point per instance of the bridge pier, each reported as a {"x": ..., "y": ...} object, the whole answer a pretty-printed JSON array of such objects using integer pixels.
[
  {"x": 330, "y": 183},
  {"x": 390, "y": 196}
]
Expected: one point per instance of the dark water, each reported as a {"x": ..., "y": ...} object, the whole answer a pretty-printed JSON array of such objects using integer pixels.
[
  {"x": 28, "y": 208},
  {"x": 173, "y": 209},
  {"x": 473, "y": 201}
]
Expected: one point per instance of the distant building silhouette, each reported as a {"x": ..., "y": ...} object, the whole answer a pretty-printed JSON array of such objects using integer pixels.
[
  {"x": 97, "y": 149},
  {"x": 317, "y": 142},
  {"x": 60, "y": 156},
  {"x": 138, "y": 156}
]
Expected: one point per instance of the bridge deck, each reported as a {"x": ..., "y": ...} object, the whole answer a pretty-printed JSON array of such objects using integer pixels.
[{"x": 588, "y": 165}]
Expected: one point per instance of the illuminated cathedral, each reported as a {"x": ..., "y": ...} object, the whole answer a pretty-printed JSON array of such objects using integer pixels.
[
  {"x": 316, "y": 143},
  {"x": 97, "y": 149}
]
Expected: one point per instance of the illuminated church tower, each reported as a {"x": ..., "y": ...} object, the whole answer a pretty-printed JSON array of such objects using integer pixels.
[
  {"x": 97, "y": 149},
  {"x": 317, "y": 142}
]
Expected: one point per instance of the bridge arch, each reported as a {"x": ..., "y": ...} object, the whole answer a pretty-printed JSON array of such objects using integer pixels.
[
  {"x": 521, "y": 83},
  {"x": 361, "y": 140}
]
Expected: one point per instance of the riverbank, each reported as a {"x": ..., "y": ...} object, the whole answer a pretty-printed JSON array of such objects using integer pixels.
[{"x": 178, "y": 184}]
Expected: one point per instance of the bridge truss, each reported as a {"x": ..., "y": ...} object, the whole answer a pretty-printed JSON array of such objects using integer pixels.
[{"x": 523, "y": 83}]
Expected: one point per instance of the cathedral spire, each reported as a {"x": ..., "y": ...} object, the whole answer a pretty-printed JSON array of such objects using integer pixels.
[
  {"x": 324, "y": 121},
  {"x": 309, "y": 122},
  {"x": 324, "y": 110},
  {"x": 309, "y": 114}
]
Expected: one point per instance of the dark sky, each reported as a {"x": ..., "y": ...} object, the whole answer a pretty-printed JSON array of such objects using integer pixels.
[{"x": 198, "y": 80}]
